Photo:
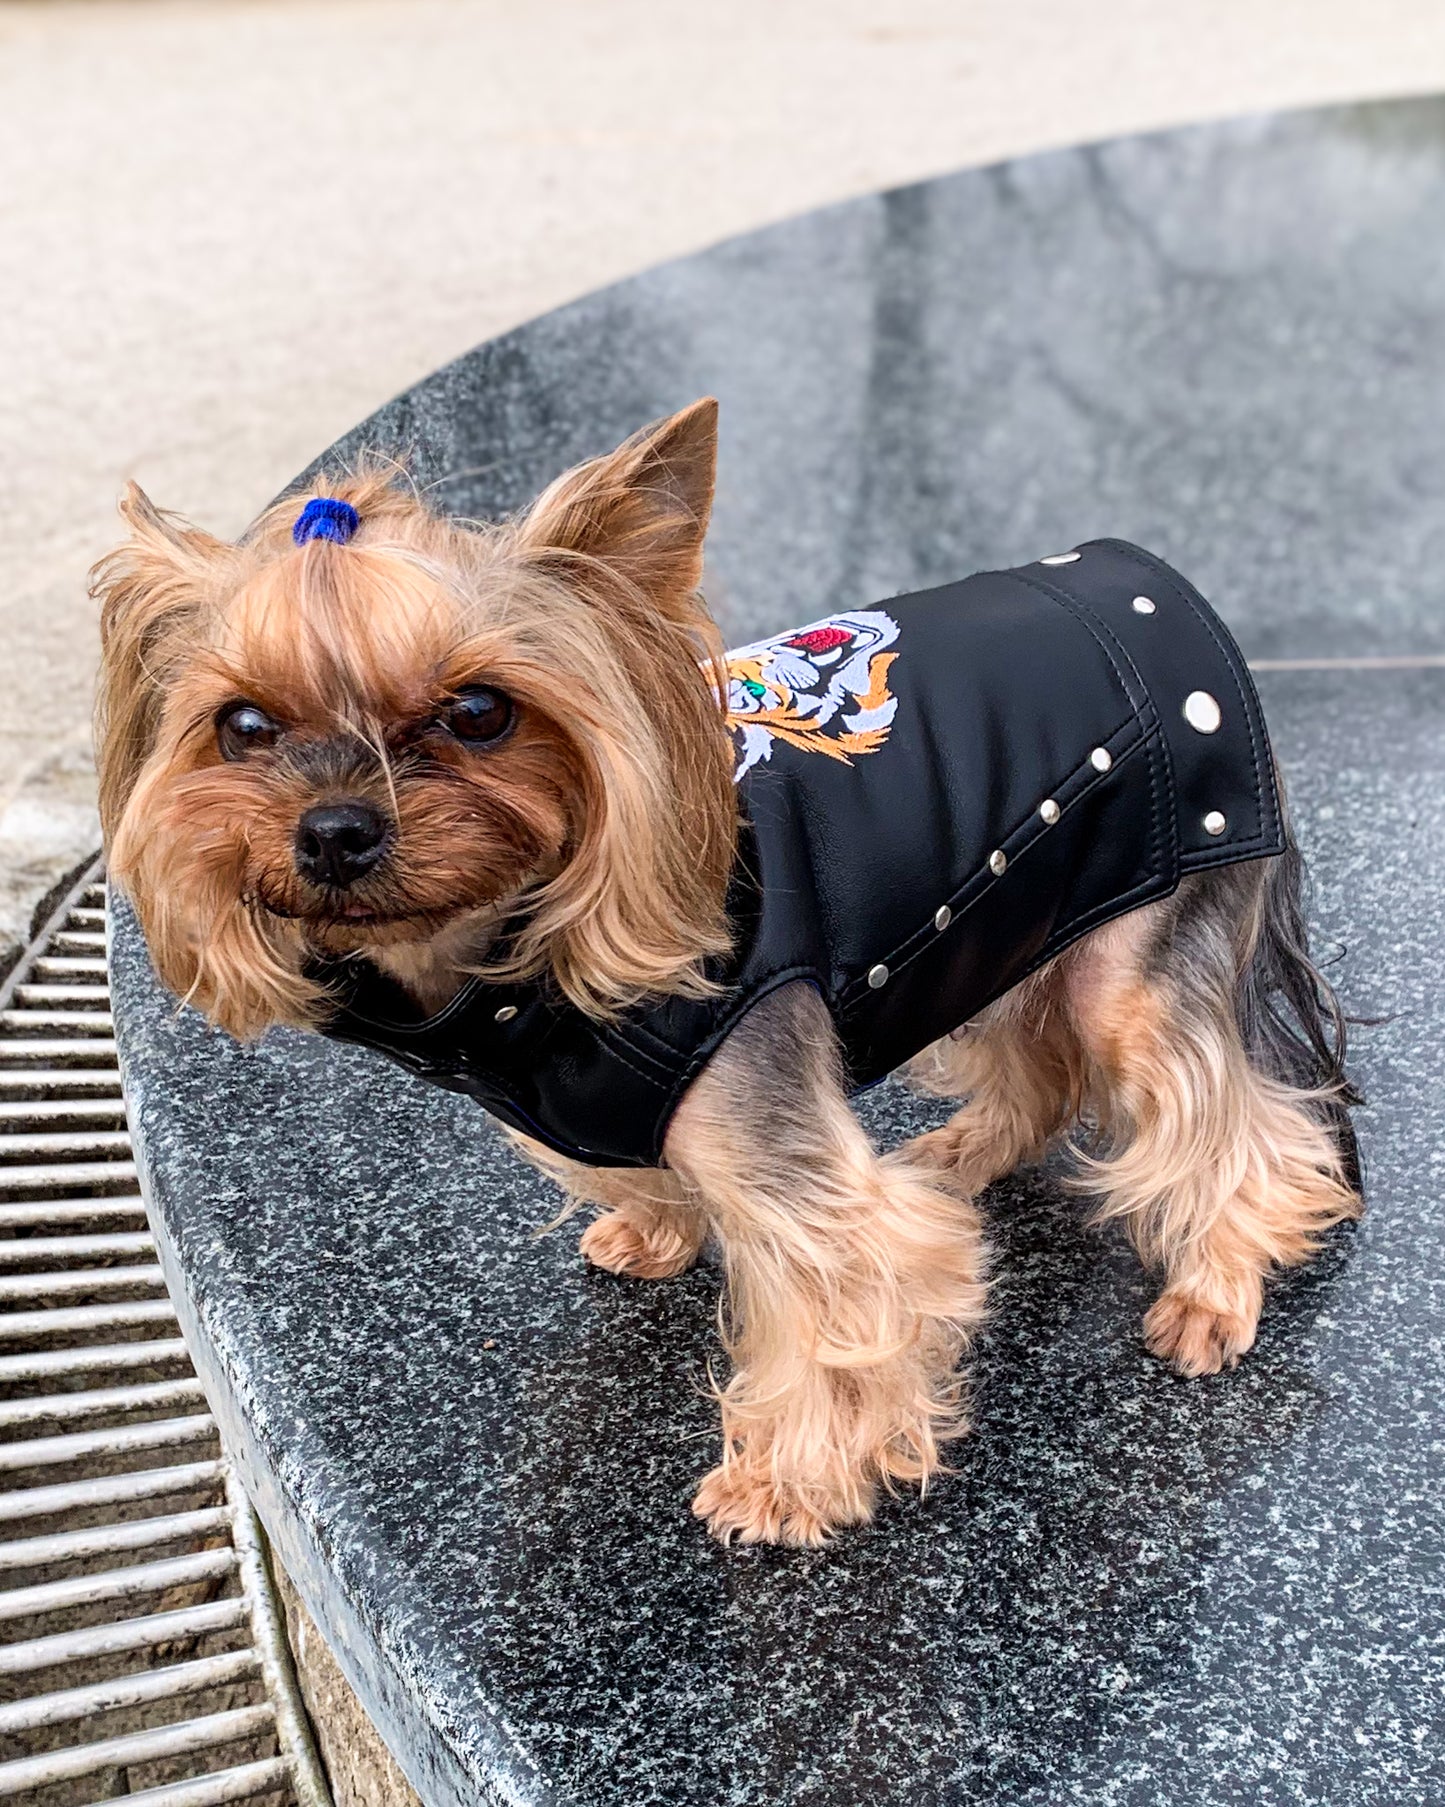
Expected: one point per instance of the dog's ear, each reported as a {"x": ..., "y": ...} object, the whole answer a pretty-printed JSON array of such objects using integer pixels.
[
  {"x": 152, "y": 589},
  {"x": 642, "y": 510}
]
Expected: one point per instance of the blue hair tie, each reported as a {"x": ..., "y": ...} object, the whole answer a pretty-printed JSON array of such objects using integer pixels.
[{"x": 326, "y": 518}]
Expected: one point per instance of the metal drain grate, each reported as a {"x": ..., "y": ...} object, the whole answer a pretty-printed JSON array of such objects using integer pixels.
[{"x": 141, "y": 1655}]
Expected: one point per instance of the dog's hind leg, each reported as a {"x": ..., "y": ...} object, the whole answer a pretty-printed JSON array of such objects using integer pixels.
[
  {"x": 649, "y": 1226},
  {"x": 1219, "y": 1168},
  {"x": 1017, "y": 1065}
]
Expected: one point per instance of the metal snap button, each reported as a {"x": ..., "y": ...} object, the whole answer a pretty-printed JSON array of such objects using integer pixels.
[
  {"x": 1201, "y": 711},
  {"x": 877, "y": 976},
  {"x": 505, "y": 1014},
  {"x": 1101, "y": 759},
  {"x": 1061, "y": 558},
  {"x": 1214, "y": 823},
  {"x": 1143, "y": 605},
  {"x": 1049, "y": 810},
  {"x": 942, "y": 916},
  {"x": 998, "y": 862}
]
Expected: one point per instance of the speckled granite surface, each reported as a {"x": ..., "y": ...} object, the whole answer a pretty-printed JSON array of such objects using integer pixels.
[
  {"x": 476, "y": 1455},
  {"x": 1223, "y": 343}
]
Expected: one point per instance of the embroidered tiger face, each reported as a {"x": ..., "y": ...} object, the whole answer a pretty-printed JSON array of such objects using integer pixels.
[{"x": 821, "y": 688}]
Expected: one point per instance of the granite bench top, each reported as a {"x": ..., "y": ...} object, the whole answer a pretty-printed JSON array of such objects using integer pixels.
[{"x": 475, "y": 1455}]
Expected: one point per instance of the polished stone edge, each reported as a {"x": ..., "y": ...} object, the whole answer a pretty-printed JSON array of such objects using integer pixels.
[{"x": 392, "y": 1699}]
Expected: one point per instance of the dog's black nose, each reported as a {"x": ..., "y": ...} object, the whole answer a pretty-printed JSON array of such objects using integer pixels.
[{"x": 337, "y": 843}]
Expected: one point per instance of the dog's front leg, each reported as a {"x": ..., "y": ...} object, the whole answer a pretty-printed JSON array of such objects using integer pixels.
[{"x": 854, "y": 1283}]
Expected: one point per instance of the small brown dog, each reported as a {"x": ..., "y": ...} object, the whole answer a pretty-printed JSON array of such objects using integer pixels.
[{"x": 460, "y": 756}]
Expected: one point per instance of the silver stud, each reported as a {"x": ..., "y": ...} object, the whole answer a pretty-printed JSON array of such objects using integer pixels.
[
  {"x": 942, "y": 916},
  {"x": 1201, "y": 711},
  {"x": 1143, "y": 605},
  {"x": 877, "y": 976},
  {"x": 506, "y": 1013},
  {"x": 1049, "y": 810},
  {"x": 1101, "y": 759},
  {"x": 1061, "y": 558},
  {"x": 1214, "y": 823},
  {"x": 998, "y": 862}
]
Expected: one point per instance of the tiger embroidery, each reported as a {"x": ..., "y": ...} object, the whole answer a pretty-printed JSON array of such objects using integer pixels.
[{"x": 821, "y": 688}]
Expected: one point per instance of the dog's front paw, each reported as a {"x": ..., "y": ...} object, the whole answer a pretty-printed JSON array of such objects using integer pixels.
[
  {"x": 622, "y": 1245},
  {"x": 1198, "y": 1337},
  {"x": 748, "y": 1505}
]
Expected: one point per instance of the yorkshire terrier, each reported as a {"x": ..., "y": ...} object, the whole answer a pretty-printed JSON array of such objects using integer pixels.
[{"x": 492, "y": 798}]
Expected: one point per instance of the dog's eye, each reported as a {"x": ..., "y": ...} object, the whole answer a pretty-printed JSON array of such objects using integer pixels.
[
  {"x": 479, "y": 715},
  {"x": 243, "y": 729}
]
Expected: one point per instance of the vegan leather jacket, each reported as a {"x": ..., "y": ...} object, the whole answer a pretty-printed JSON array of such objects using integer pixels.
[{"x": 939, "y": 794}]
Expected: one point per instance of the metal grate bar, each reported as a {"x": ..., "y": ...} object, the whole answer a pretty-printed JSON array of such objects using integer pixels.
[
  {"x": 176, "y": 1740},
  {"x": 70, "y": 966},
  {"x": 37, "y": 1654},
  {"x": 80, "y": 1446},
  {"x": 70, "y": 1176},
  {"x": 56, "y": 1022},
  {"x": 128, "y": 1691},
  {"x": 275, "y": 1653},
  {"x": 242, "y": 1784},
  {"x": 114, "y": 1584},
  {"x": 37, "y": 1365},
  {"x": 26, "y": 1214},
  {"x": 40, "y": 1050},
  {"x": 87, "y": 1247},
  {"x": 108, "y": 1540},
  {"x": 23, "y": 1326},
  {"x": 99, "y": 1402},
  {"x": 58, "y": 1144},
  {"x": 73, "y": 996},
  {"x": 79, "y": 1283},
  {"x": 109, "y": 1490},
  {"x": 100, "y": 1113},
  {"x": 43, "y": 1082}
]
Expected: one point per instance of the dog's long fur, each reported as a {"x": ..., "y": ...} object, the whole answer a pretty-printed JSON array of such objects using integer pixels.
[{"x": 1194, "y": 1042}]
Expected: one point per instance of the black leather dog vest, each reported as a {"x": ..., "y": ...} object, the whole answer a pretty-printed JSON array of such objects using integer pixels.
[{"x": 939, "y": 794}]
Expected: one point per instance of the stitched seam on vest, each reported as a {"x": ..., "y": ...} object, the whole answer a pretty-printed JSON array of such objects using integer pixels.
[
  {"x": 1263, "y": 777},
  {"x": 1109, "y": 645},
  {"x": 534, "y": 1128},
  {"x": 1207, "y": 857},
  {"x": 899, "y": 961},
  {"x": 1164, "y": 826},
  {"x": 1164, "y": 810},
  {"x": 1149, "y": 890},
  {"x": 1095, "y": 626},
  {"x": 1159, "y": 883},
  {"x": 645, "y": 1042},
  {"x": 623, "y": 1051},
  {"x": 439, "y": 1019},
  {"x": 642, "y": 1041},
  {"x": 1263, "y": 767}
]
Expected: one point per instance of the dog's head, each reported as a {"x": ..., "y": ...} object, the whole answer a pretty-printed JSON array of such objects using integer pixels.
[{"x": 334, "y": 745}]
